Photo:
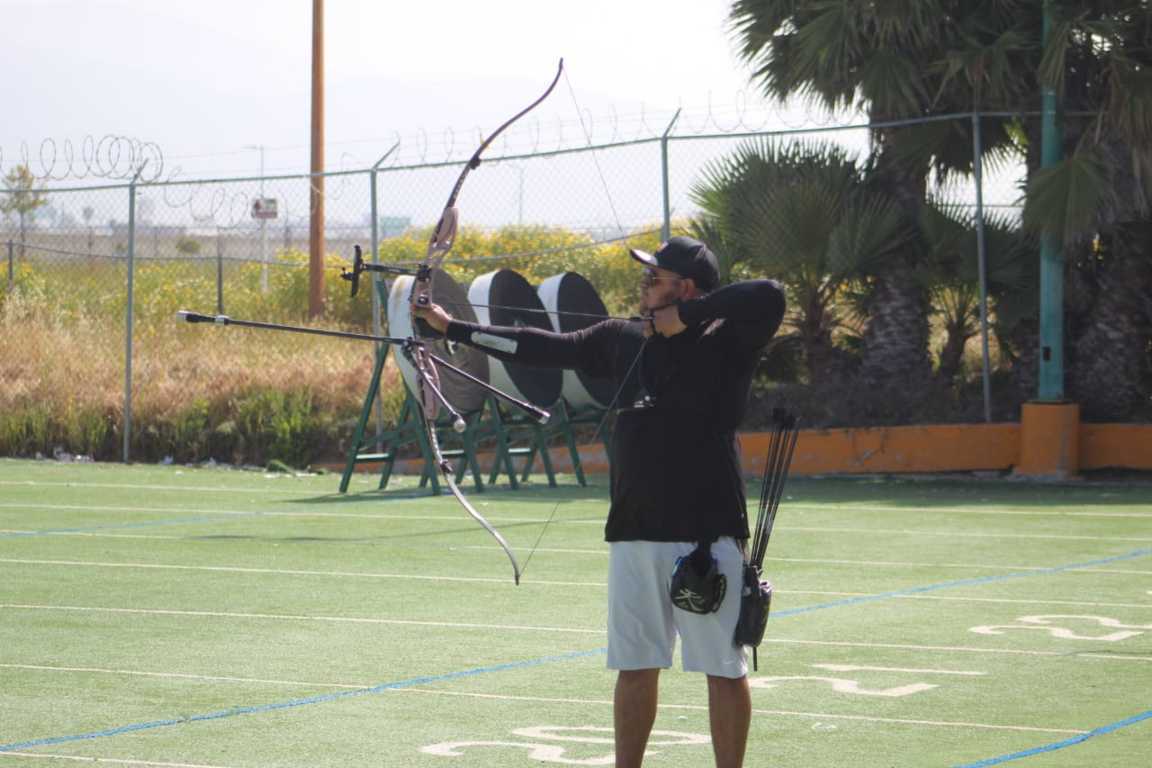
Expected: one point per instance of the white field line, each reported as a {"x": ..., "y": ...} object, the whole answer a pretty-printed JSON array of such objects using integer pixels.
[
  {"x": 596, "y": 522},
  {"x": 584, "y": 702},
  {"x": 451, "y": 625},
  {"x": 498, "y": 580},
  {"x": 790, "y": 713},
  {"x": 294, "y": 617},
  {"x": 254, "y": 513},
  {"x": 914, "y": 670},
  {"x": 150, "y": 487},
  {"x": 291, "y": 572},
  {"x": 180, "y": 676},
  {"x": 107, "y": 760},
  {"x": 1006, "y": 511},
  {"x": 830, "y": 561},
  {"x": 951, "y": 649}
]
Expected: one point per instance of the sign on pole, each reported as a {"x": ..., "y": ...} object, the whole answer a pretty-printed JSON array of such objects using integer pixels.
[{"x": 264, "y": 208}]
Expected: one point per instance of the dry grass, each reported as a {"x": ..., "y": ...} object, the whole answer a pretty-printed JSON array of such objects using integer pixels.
[{"x": 198, "y": 391}]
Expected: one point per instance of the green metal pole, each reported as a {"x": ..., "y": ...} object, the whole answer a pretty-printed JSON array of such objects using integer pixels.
[
  {"x": 129, "y": 316},
  {"x": 1051, "y": 376}
]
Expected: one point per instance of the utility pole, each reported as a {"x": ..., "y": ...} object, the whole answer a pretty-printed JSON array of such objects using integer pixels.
[{"x": 316, "y": 195}]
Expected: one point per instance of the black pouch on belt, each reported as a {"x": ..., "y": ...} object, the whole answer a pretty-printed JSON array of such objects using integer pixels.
[{"x": 697, "y": 584}]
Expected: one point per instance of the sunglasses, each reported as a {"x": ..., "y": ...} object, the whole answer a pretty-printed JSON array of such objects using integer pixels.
[{"x": 649, "y": 278}]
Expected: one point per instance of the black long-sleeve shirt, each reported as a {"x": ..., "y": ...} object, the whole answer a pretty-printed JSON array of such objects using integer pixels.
[{"x": 675, "y": 464}]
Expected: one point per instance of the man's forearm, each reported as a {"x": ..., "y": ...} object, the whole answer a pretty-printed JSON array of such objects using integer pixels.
[{"x": 531, "y": 346}]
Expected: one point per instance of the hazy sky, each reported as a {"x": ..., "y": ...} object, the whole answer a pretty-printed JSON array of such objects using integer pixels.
[{"x": 203, "y": 79}]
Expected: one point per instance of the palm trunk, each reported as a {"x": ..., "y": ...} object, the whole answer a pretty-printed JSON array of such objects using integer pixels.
[
  {"x": 896, "y": 336},
  {"x": 896, "y": 339},
  {"x": 1111, "y": 371}
]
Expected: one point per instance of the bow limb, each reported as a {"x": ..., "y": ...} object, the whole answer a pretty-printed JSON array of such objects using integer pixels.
[
  {"x": 449, "y": 480},
  {"x": 444, "y": 234},
  {"x": 439, "y": 244}
]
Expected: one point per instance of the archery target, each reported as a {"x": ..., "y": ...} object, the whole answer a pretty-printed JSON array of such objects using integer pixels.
[
  {"x": 505, "y": 298},
  {"x": 465, "y": 396},
  {"x": 573, "y": 304}
]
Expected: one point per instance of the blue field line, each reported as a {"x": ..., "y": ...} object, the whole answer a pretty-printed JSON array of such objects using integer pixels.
[
  {"x": 320, "y": 699},
  {"x": 1101, "y": 731},
  {"x": 1133, "y": 555},
  {"x": 118, "y": 526},
  {"x": 1136, "y": 553}
]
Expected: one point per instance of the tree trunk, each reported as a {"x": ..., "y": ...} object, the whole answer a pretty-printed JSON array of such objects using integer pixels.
[
  {"x": 1110, "y": 373},
  {"x": 896, "y": 336},
  {"x": 952, "y": 356},
  {"x": 896, "y": 339}
]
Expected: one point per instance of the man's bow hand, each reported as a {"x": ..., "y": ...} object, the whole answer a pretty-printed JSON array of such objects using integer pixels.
[{"x": 433, "y": 314}]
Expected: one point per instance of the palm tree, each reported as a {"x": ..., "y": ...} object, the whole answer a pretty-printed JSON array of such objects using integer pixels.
[
  {"x": 950, "y": 234},
  {"x": 1098, "y": 200},
  {"x": 802, "y": 213},
  {"x": 894, "y": 59}
]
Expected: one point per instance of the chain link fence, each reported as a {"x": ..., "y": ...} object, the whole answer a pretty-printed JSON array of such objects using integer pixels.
[{"x": 92, "y": 360}]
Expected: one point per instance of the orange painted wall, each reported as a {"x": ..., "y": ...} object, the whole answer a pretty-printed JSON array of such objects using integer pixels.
[{"x": 928, "y": 448}]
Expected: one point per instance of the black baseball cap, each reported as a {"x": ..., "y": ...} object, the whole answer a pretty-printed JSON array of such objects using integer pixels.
[{"x": 686, "y": 257}]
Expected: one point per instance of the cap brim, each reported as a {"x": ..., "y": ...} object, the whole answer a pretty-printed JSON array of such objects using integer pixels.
[{"x": 643, "y": 257}]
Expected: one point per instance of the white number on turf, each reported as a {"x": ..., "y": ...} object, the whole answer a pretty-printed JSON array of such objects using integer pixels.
[
  {"x": 1044, "y": 623},
  {"x": 554, "y": 753},
  {"x": 842, "y": 685}
]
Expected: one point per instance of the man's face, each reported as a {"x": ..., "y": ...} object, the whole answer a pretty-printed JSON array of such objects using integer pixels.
[{"x": 659, "y": 288}]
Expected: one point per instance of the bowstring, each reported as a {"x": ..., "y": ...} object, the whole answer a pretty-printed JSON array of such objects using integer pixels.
[{"x": 619, "y": 228}]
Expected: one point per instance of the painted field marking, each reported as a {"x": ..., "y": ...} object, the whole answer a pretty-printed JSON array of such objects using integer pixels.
[
  {"x": 866, "y": 668},
  {"x": 300, "y": 702},
  {"x": 835, "y": 561},
  {"x": 9, "y": 533},
  {"x": 448, "y": 625},
  {"x": 107, "y": 760},
  {"x": 827, "y": 593},
  {"x": 151, "y": 487},
  {"x": 1005, "y": 511},
  {"x": 1054, "y": 746},
  {"x": 555, "y": 753},
  {"x": 182, "y": 676},
  {"x": 598, "y": 521},
  {"x": 415, "y": 681},
  {"x": 758, "y": 711},
  {"x": 299, "y": 572},
  {"x": 842, "y": 685},
  {"x": 953, "y": 649},
  {"x": 291, "y": 617},
  {"x": 1131, "y": 555},
  {"x": 226, "y": 513},
  {"x": 539, "y": 699},
  {"x": 965, "y": 534},
  {"x": 1044, "y": 623}
]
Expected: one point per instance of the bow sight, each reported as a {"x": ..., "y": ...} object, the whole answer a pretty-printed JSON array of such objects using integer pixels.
[{"x": 359, "y": 266}]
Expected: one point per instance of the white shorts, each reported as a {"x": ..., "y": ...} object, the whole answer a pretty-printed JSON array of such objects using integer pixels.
[{"x": 643, "y": 623}]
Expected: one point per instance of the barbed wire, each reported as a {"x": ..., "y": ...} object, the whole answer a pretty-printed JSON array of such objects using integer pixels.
[{"x": 109, "y": 157}]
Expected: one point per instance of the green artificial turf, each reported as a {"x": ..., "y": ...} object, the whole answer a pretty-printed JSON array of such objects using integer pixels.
[{"x": 212, "y": 617}]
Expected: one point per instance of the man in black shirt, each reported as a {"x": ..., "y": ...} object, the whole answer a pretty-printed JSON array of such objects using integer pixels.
[{"x": 682, "y": 376}]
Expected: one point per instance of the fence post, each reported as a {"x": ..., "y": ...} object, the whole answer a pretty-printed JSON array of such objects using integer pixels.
[
  {"x": 11, "y": 266},
  {"x": 219, "y": 273},
  {"x": 981, "y": 259},
  {"x": 376, "y": 330},
  {"x": 129, "y": 316},
  {"x": 666, "y": 229}
]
